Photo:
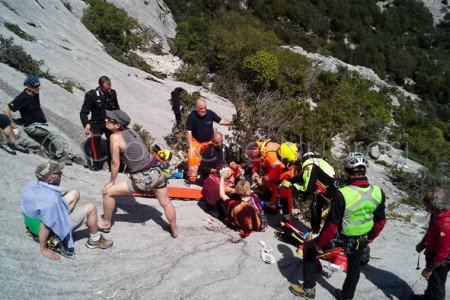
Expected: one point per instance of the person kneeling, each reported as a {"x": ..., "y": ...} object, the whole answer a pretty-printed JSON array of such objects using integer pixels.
[
  {"x": 44, "y": 200},
  {"x": 242, "y": 211}
]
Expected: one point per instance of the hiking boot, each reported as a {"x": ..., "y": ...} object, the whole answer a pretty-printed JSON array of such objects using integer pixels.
[
  {"x": 5, "y": 146},
  {"x": 339, "y": 296},
  {"x": 66, "y": 160},
  {"x": 417, "y": 297},
  {"x": 18, "y": 147},
  {"x": 299, "y": 290},
  {"x": 102, "y": 243}
]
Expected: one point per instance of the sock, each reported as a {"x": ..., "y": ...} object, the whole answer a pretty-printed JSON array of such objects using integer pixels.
[{"x": 95, "y": 237}]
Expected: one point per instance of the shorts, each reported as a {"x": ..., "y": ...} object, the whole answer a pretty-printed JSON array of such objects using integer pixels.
[
  {"x": 4, "y": 121},
  {"x": 77, "y": 217},
  {"x": 145, "y": 181}
]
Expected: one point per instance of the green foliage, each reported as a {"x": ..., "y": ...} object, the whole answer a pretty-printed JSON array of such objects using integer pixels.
[
  {"x": 293, "y": 73},
  {"x": 193, "y": 74},
  {"x": 19, "y": 32},
  {"x": 421, "y": 137},
  {"x": 146, "y": 137},
  {"x": 176, "y": 139},
  {"x": 16, "y": 57},
  {"x": 119, "y": 33},
  {"x": 69, "y": 85},
  {"x": 261, "y": 67},
  {"x": 415, "y": 185}
]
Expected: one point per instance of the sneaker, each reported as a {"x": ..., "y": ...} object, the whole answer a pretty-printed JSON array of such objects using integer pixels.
[
  {"x": 299, "y": 290},
  {"x": 7, "y": 148},
  {"x": 102, "y": 243},
  {"x": 19, "y": 147}
]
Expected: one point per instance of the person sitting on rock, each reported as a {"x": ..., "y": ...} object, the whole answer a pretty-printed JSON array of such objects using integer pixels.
[
  {"x": 11, "y": 143},
  {"x": 242, "y": 210},
  {"x": 44, "y": 200},
  {"x": 35, "y": 123},
  {"x": 145, "y": 170}
]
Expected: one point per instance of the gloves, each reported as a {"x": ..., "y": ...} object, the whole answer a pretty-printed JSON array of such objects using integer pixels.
[{"x": 286, "y": 184}]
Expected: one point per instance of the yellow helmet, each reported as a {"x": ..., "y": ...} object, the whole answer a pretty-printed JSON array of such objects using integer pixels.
[{"x": 287, "y": 152}]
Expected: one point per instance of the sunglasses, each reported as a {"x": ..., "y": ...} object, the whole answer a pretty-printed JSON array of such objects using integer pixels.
[{"x": 112, "y": 121}]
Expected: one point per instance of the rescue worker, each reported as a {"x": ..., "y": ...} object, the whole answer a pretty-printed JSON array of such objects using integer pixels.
[
  {"x": 358, "y": 214},
  {"x": 96, "y": 102},
  {"x": 272, "y": 164},
  {"x": 317, "y": 179},
  {"x": 199, "y": 132},
  {"x": 436, "y": 243}
]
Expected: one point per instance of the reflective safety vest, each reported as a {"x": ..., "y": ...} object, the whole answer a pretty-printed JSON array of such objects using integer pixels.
[
  {"x": 323, "y": 165},
  {"x": 360, "y": 203}
]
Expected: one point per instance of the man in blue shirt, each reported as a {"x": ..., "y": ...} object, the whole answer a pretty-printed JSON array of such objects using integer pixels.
[{"x": 44, "y": 200}]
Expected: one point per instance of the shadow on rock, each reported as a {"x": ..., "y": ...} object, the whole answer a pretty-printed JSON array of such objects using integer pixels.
[
  {"x": 391, "y": 285},
  {"x": 291, "y": 267},
  {"x": 139, "y": 213}
]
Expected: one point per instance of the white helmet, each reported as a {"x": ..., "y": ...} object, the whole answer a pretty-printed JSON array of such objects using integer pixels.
[{"x": 355, "y": 159}]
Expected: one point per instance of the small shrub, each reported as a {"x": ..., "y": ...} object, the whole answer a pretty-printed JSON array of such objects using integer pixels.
[
  {"x": 68, "y": 6},
  {"x": 186, "y": 103},
  {"x": 69, "y": 85},
  {"x": 193, "y": 74},
  {"x": 261, "y": 68},
  {"x": 19, "y": 32},
  {"x": 16, "y": 57},
  {"x": 119, "y": 33},
  {"x": 145, "y": 136}
]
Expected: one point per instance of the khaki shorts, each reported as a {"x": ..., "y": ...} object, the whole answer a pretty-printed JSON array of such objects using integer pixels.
[{"x": 142, "y": 182}]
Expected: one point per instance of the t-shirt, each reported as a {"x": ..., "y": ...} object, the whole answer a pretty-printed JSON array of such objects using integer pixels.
[
  {"x": 29, "y": 108},
  {"x": 202, "y": 128}
]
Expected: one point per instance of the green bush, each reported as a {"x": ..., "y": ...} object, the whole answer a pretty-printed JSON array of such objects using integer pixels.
[
  {"x": 16, "y": 57},
  {"x": 176, "y": 139},
  {"x": 415, "y": 185},
  {"x": 119, "y": 33},
  {"x": 19, "y": 32},
  {"x": 193, "y": 74},
  {"x": 261, "y": 68}
]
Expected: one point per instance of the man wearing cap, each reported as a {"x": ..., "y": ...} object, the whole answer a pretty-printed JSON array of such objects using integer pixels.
[
  {"x": 34, "y": 121},
  {"x": 44, "y": 200},
  {"x": 145, "y": 169},
  {"x": 96, "y": 102}
]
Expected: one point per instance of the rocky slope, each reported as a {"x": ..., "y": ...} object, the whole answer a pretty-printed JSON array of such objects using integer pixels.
[{"x": 204, "y": 263}]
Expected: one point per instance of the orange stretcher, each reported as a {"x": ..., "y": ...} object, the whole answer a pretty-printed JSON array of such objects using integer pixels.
[{"x": 177, "y": 189}]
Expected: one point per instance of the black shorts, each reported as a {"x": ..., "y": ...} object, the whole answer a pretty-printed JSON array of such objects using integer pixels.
[{"x": 4, "y": 121}]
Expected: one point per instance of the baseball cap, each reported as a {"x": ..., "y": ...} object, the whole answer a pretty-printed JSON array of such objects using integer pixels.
[
  {"x": 47, "y": 168},
  {"x": 120, "y": 116}
]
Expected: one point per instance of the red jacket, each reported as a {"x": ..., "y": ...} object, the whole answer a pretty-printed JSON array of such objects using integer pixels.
[{"x": 437, "y": 238}]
